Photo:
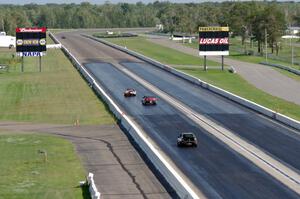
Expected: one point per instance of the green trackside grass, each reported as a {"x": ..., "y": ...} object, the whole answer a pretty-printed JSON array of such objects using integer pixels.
[
  {"x": 49, "y": 40},
  {"x": 237, "y": 85},
  {"x": 26, "y": 175},
  {"x": 160, "y": 53},
  {"x": 223, "y": 79},
  {"x": 285, "y": 49},
  {"x": 56, "y": 95}
]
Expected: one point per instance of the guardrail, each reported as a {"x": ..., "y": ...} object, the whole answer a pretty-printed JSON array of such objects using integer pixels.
[
  {"x": 242, "y": 101},
  {"x": 95, "y": 194},
  {"x": 292, "y": 70},
  {"x": 172, "y": 176}
]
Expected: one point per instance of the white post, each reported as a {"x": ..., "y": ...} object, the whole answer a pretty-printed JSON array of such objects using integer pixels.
[
  {"x": 266, "y": 37},
  {"x": 292, "y": 52}
]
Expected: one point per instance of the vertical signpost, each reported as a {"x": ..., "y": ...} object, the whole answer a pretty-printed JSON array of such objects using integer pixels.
[
  {"x": 213, "y": 41},
  {"x": 31, "y": 42}
]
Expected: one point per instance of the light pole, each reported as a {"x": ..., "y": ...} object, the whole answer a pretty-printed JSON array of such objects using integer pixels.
[
  {"x": 266, "y": 42},
  {"x": 292, "y": 51},
  {"x": 292, "y": 46}
]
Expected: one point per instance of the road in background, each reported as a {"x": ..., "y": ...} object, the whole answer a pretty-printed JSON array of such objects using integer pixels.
[
  {"x": 104, "y": 30},
  {"x": 261, "y": 76},
  {"x": 212, "y": 167}
]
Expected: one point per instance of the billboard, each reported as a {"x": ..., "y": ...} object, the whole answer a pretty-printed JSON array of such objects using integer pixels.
[
  {"x": 213, "y": 41},
  {"x": 31, "y": 41}
]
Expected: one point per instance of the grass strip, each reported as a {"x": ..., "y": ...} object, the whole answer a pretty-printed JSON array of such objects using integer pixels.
[
  {"x": 237, "y": 85},
  {"x": 56, "y": 95},
  {"x": 160, "y": 53},
  {"x": 26, "y": 174}
]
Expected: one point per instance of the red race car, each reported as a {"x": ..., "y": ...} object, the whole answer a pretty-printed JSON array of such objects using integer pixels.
[
  {"x": 129, "y": 92},
  {"x": 149, "y": 100}
]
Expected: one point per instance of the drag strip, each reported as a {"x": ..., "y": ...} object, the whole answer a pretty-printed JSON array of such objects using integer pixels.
[
  {"x": 212, "y": 167},
  {"x": 280, "y": 142}
]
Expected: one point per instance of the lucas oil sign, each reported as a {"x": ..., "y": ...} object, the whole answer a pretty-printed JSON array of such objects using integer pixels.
[
  {"x": 213, "y": 41},
  {"x": 30, "y": 41}
]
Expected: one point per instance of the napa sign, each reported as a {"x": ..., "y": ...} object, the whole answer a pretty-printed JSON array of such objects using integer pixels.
[{"x": 31, "y": 54}]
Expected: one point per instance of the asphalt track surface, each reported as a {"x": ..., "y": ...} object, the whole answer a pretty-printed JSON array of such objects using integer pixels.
[
  {"x": 276, "y": 139},
  {"x": 214, "y": 168}
]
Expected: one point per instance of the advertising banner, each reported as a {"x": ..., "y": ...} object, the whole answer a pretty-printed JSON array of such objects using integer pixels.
[
  {"x": 30, "y": 40},
  {"x": 30, "y": 54},
  {"x": 213, "y": 41}
]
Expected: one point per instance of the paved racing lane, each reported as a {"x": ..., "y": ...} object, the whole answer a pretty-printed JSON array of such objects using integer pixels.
[
  {"x": 280, "y": 142},
  {"x": 212, "y": 167}
]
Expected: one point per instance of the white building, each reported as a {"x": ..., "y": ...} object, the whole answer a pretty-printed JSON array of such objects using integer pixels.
[{"x": 293, "y": 30}]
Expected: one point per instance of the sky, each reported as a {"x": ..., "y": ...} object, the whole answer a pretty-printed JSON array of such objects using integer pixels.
[{"x": 99, "y": 1}]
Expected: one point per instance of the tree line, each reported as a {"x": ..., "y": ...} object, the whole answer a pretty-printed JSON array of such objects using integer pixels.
[{"x": 249, "y": 20}]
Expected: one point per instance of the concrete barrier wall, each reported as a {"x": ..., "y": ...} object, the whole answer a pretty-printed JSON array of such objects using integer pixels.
[
  {"x": 95, "y": 194},
  {"x": 171, "y": 175},
  {"x": 292, "y": 70},
  {"x": 246, "y": 103}
]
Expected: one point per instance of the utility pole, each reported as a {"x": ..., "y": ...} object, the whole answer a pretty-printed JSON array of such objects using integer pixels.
[
  {"x": 291, "y": 37},
  {"x": 292, "y": 51},
  {"x": 222, "y": 62},
  {"x": 22, "y": 66},
  {"x": 40, "y": 63},
  {"x": 266, "y": 42},
  {"x": 205, "y": 67}
]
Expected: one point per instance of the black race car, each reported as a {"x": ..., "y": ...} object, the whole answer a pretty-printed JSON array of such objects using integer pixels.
[
  {"x": 129, "y": 92},
  {"x": 187, "y": 139}
]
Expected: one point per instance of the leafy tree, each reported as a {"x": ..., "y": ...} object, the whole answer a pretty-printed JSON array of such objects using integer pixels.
[{"x": 270, "y": 19}]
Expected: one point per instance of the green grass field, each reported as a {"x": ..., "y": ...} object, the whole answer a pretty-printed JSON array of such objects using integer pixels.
[
  {"x": 237, "y": 85},
  {"x": 285, "y": 50},
  {"x": 160, "y": 53},
  {"x": 25, "y": 174},
  {"x": 223, "y": 79},
  {"x": 56, "y": 95}
]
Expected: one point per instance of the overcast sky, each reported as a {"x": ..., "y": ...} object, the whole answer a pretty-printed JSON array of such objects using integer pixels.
[{"x": 100, "y": 1}]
